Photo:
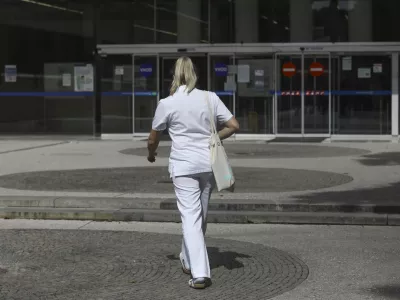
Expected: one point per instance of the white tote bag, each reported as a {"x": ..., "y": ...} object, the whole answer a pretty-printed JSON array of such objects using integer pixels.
[{"x": 219, "y": 160}]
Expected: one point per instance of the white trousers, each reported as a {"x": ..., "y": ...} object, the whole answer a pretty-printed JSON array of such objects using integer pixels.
[{"x": 193, "y": 193}]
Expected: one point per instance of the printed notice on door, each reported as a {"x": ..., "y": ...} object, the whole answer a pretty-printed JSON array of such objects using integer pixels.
[
  {"x": 377, "y": 68},
  {"x": 10, "y": 73},
  {"x": 243, "y": 75},
  {"x": 83, "y": 78},
  {"x": 66, "y": 80},
  {"x": 364, "y": 73},
  {"x": 346, "y": 63}
]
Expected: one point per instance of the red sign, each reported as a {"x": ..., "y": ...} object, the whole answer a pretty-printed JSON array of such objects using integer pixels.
[
  {"x": 289, "y": 69},
  {"x": 316, "y": 69}
]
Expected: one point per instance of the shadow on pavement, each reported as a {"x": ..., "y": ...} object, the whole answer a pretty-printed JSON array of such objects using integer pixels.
[
  {"x": 385, "y": 195},
  {"x": 381, "y": 159},
  {"x": 226, "y": 259},
  {"x": 388, "y": 291}
]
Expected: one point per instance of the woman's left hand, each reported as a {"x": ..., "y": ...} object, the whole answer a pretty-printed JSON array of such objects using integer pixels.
[{"x": 152, "y": 158}]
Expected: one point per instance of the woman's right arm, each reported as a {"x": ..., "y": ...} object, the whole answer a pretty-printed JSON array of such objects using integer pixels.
[
  {"x": 231, "y": 127},
  {"x": 226, "y": 119}
]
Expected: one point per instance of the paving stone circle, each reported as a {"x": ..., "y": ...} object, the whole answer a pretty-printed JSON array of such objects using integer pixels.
[
  {"x": 156, "y": 180},
  {"x": 89, "y": 265},
  {"x": 238, "y": 150}
]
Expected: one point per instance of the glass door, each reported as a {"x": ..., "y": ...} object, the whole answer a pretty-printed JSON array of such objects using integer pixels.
[
  {"x": 288, "y": 93},
  {"x": 254, "y": 100},
  {"x": 167, "y": 64},
  {"x": 146, "y": 92},
  {"x": 116, "y": 96},
  {"x": 302, "y": 94},
  {"x": 317, "y": 96},
  {"x": 222, "y": 79}
]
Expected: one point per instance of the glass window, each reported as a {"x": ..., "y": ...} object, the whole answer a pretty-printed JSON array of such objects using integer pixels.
[
  {"x": 384, "y": 18},
  {"x": 362, "y": 94},
  {"x": 146, "y": 92},
  {"x": 141, "y": 21},
  {"x": 120, "y": 22},
  {"x": 116, "y": 100},
  {"x": 222, "y": 29},
  {"x": 254, "y": 100},
  {"x": 247, "y": 21},
  {"x": 223, "y": 81},
  {"x": 47, "y": 46},
  {"x": 167, "y": 12},
  {"x": 274, "y": 21}
]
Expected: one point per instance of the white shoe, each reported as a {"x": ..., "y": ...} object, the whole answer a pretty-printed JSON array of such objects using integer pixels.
[
  {"x": 199, "y": 283},
  {"x": 184, "y": 268}
]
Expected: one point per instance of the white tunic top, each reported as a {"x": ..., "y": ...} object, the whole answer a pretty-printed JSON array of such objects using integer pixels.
[{"x": 186, "y": 116}]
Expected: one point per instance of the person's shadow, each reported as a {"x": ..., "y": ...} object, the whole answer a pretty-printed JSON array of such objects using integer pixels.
[{"x": 218, "y": 259}]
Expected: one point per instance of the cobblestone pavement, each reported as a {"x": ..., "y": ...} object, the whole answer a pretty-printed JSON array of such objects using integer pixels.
[
  {"x": 52, "y": 264},
  {"x": 156, "y": 180},
  {"x": 238, "y": 150}
]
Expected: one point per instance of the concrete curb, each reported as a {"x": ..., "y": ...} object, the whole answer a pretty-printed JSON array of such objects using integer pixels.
[
  {"x": 244, "y": 211},
  {"x": 240, "y": 217},
  {"x": 234, "y": 205}
]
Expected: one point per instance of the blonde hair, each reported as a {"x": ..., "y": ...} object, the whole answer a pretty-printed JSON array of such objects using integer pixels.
[{"x": 184, "y": 74}]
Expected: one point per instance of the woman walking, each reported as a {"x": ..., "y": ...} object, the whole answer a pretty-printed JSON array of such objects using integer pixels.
[{"x": 185, "y": 114}]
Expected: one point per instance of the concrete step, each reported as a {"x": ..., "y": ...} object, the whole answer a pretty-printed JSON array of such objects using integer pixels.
[
  {"x": 219, "y": 204},
  {"x": 160, "y": 215}
]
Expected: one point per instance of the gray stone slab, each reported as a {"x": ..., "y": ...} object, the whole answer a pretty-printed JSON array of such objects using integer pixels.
[
  {"x": 129, "y": 265},
  {"x": 317, "y": 218},
  {"x": 394, "y": 220},
  {"x": 146, "y": 215},
  {"x": 245, "y": 205},
  {"x": 238, "y": 150},
  {"x": 385, "y": 207},
  {"x": 31, "y": 201},
  {"x": 156, "y": 180},
  {"x": 44, "y": 213},
  {"x": 105, "y": 203}
]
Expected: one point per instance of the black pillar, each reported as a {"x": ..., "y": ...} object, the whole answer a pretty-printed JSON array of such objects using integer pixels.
[{"x": 98, "y": 73}]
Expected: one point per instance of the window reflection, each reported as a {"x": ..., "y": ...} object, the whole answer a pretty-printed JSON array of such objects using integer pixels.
[
  {"x": 45, "y": 42},
  {"x": 248, "y": 21}
]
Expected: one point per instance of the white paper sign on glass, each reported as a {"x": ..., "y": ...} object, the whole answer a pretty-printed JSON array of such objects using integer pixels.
[
  {"x": 364, "y": 73},
  {"x": 83, "y": 78},
  {"x": 119, "y": 70},
  {"x": 66, "y": 80},
  {"x": 347, "y": 63},
  {"x": 259, "y": 73},
  {"x": 377, "y": 68},
  {"x": 230, "y": 84},
  {"x": 10, "y": 73},
  {"x": 243, "y": 75}
]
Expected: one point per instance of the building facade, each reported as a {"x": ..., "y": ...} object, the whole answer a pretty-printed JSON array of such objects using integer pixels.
[{"x": 323, "y": 68}]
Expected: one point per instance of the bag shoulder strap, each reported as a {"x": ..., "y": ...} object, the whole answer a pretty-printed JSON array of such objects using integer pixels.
[{"x": 212, "y": 117}]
